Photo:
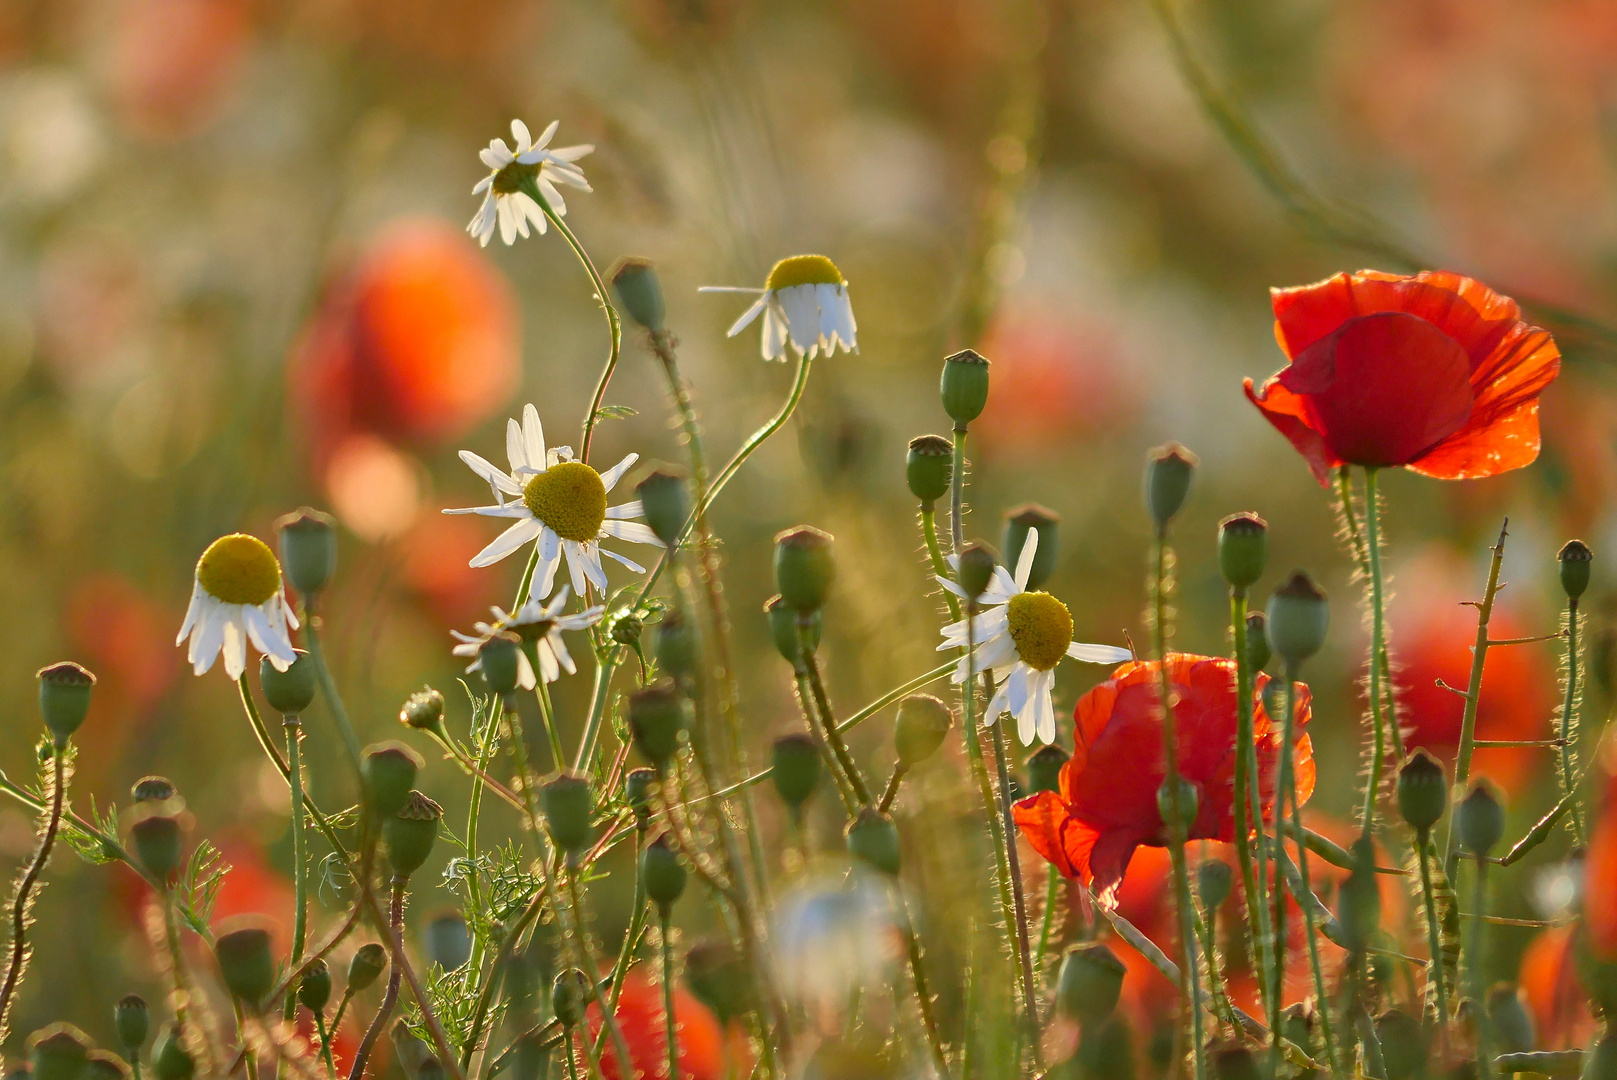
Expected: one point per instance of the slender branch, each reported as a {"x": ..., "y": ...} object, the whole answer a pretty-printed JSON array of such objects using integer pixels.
[
  {"x": 1473, "y": 695},
  {"x": 300, "y": 858},
  {"x": 1379, "y": 719},
  {"x": 1248, "y": 809},
  {"x": 389, "y": 999},
  {"x": 1569, "y": 722},
  {"x": 23, "y": 900},
  {"x": 328, "y": 686}
]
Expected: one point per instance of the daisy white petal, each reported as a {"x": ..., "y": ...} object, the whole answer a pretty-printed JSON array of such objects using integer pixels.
[
  {"x": 1098, "y": 654},
  {"x": 625, "y": 510},
  {"x": 610, "y": 478},
  {"x": 518, "y": 534}
]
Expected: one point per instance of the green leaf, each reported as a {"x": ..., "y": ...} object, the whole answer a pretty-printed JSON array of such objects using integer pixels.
[{"x": 615, "y": 412}]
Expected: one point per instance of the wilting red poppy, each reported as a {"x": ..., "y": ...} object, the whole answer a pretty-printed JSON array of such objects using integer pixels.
[
  {"x": 1107, "y": 805},
  {"x": 640, "y": 1016},
  {"x": 1434, "y": 372}
]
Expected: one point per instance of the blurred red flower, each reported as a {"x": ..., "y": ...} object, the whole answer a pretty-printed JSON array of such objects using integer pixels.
[
  {"x": 174, "y": 62},
  {"x": 122, "y": 636},
  {"x": 1549, "y": 979},
  {"x": 640, "y": 1016},
  {"x": 1434, "y": 372},
  {"x": 435, "y": 558},
  {"x": 1107, "y": 805},
  {"x": 1600, "y": 862}
]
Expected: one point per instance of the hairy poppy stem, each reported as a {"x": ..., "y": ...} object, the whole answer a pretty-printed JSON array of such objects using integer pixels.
[
  {"x": 1434, "y": 970},
  {"x": 1477, "y": 973},
  {"x": 300, "y": 873},
  {"x": 1024, "y": 950},
  {"x": 389, "y": 999},
  {"x": 1473, "y": 694},
  {"x": 1569, "y": 723},
  {"x": 23, "y": 900},
  {"x": 1378, "y": 644},
  {"x": 1249, "y": 813},
  {"x": 670, "y": 1025},
  {"x": 1361, "y": 557}
]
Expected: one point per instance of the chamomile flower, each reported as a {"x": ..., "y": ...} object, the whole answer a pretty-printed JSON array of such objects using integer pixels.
[
  {"x": 804, "y": 301},
  {"x": 516, "y": 172},
  {"x": 1021, "y": 639},
  {"x": 558, "y": 503},
  {"x": 539, "y": 624},
  {"x": 238, "y": 597}
]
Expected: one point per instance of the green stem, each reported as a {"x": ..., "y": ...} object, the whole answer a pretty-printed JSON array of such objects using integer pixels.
[
  {"x": 856, "y": 779},
  {"x": 957, "y": 489},
  {"x": 1473, "y": 695},
  {"x": 1361, "y": 558},
  {"x": 670, "y": 1028},
  {"x": 1478, "y": 967},
  {"x": 609, "y": 1019},
  {"x": 300, "y": 857},
  {"x": 390, "y": 998},
  {"x": 328, "y": 686},
  {"x": 1248, "y": 809},
  {"x": 547, "y": 716},
  {"x": 598, "y": 701},
  {"x": 320, "y": 1029},
  {"x": 1569, "y": 724},
  {"x": 1024, "y": 951},
  {"x": 1052, "y": 892},
  {"x": 923, "y": 991},
  {"x": 929, "y": 530},
  {"x": 262, "y": 733},
  {"x": 1379, "y": 719},
  {"x": 1434, "y": 970},
  {"x": 850, "y": 801},
  {"x": 21, "y": 902}
]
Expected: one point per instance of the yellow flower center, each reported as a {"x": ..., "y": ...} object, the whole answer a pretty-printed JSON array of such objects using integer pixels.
[
  {"x": 239, "y": 569},
  {"x": 803, "y": 270},
  {"x": 514, "y": 177},
  {"x": 570, "y": 498},
  {"x": 1041, "y": 627}
]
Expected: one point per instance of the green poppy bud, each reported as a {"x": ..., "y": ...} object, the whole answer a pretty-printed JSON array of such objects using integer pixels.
[
  {"x": 795, "y": 769},
  {"x": 170, "y": 1059},
  {"x": 1403, "y": 1044},
  {"x": 1257, "y": 641},
  {"x": 718, "y": 978},
  {"x": 1044, "y": 768},
  {"x": 567, "y": 804},
  {"x": 569, "y": 995},
  {"x": 626, "y": 629},
  {"x": 804, "y": 568},
  {"x": 132, "y": 1020},
  {"x": 314, "y": 986},
  {"x": 667, "y": 504},
  {"x": 58, "y": 1052},
  {"x": 423, "y": 710},
  {"x": 964, "y": 387},
  {"x": 783, "y": 630},
  {"x": 389, "y": 769},
  {"x": 1018, "y": 522},
  {"x": 1480, "y": 818},
  {"x": 658, "y": 716},
  {"x": 663, "y": 874},
  {"x": 499, "y": 658},
  {"x": 1213, "y": 879},
  {"x": 679, "y": 649},
  {"x": 246, "y": 964},
  {"x": 64, "y": 698},
  {"x": 1575, "y": 558},
  {"x": 873, "y": 840},
  {"x": 928, "y": 466},
  {"x": 153, "y": 789},
  {"x": 448, "y": 941},
  {"x": 104, "y": 1065},
  {"x": 921, "y": 725},
  {"x": 1090, "y": 981},
  {"x": 1423, "y": 790},
  {"x": 156, "y": 839},
  {"x": 367, "y": 965},
  {"x": 1513, "y": 1031},
  {"x": 1168, "y": 470},
  {"x": 639, "y": 292},
  {"x": 977, "y": 564},
  {"x": 1358, "y": 907},
  {"x": 1298, "y": 617},
  {"x": 288, "y": 692},
  {"x": 640, "y": 787},
  {"x": 308, "y": 542},
  {"x": 1243, "y": 547},
  {"x": 1233, "y": 1061},
  {"x": 409, "y": 834},
  {"x": 1188, "y": 799}
]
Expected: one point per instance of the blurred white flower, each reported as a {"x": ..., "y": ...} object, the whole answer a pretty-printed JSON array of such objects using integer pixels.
[
  {"x": 53, "y": 136},
  {"x": 512, "y": 171},
  {"x": 238, "y": 597},
  {"x": 538, "y": 622},
  {"x": 804, "y": 301},
  {"x": 834, "y": 938}
]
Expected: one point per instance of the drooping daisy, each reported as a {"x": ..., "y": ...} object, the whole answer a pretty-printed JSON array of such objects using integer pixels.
[
  {"x": 804, "y": 301},
  {"x": 1021, "y": 639},
  {"x": 238, "y": 597},
  {"x": 516, "y": 173},
  {"x": 539, "y": 625},
  {"x": 559, "y": 502}
]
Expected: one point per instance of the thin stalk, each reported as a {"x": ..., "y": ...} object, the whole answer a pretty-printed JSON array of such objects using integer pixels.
[
  {"x": 1434, "y": 970},
  {"x": 547, "y": 715},
  {"x": 300, "y": 874},
  {"x": 1378, "y": 632},
  {"x": 891, "y": 791},
  {"x": 597, "y": 717},
  {"x": 957, "y": 489},
  {"x": 1361, "y": 558},
  {"x": 22, "y": 901},
  {"x": 581, "y": 927},
  {"x": 811, "y": 669},
  {"x": 256, "y": 722},
  {"x": 850, "y": 801},
  {"x": 1473, "y": 695},
  {"x": 923, "y": 991},
  {"x": 572, "y": 1054},
  {"x": 394, "y": 977},
  {"x": 320, "y": 1029},
  {"x": 1248, "y": 810},
  {"x": 1569, "y": 723},
  {"x": 929, "y": 530},
  {"x": 1479, "y": 909},
  {"x": 328, "y": 686},
  {"x": 670, "y": 1030},
  {"x": 1052, "y": 892},
  {"x": 1024, "y": 951}
]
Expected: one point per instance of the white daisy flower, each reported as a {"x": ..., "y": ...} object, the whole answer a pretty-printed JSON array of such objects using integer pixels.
[
  {"x": 538, "y": 624},
  {"x": 1020, "y": 639},
  {"x": 804, "y": 301},
  {"x": 516, "y": 173},
  {"x": 558, "y": 502},
  {"x": 238, "y": 597}
]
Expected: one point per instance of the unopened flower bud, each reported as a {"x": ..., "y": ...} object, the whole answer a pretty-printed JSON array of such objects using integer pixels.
[
  {"x": 795, "y": 769},
  {"x": 1232, "y": 1061},
  {"x": 246, "y": 963},
  {"x": 1257, "y": 641},
  {"x": 170, "y": 1059},
  {"x": 64, "y": 698},
  {"x": 1403, "y": 1044},
  {"x": 1480, "y": 818},
  {"x": 449, "y": 942},
  {"x": 658, "y": 717},
  {"x": 409, "y": 834},
  {"x": 308, "y": 541},
  {"x": 928, "y": 466},
  {"x": 569, "y": 995},
  {"x": 1243, "y": 547},
  {"x": 567, "y": 804},
  {"x": 1168, "y": 470},
  {"x": 663, "y": 874},
  {"x": 783, "y": 631},
  {"x": 873, "y": 840},
  {"x": 920, "y": 727},
  {"x": 1358, "y": 908},
  {"x": 626, "y": 629},
  {"x": 423, "y": 710},
  {"x": 639, "y": 292},
  {"x": 288, "y": 692},
  {"x": 667, "y": 504},
  {"x": 314, "y": 987},
  {"x": 1017, "y": 525},
  {"x": 1423, "y": 790},
  {"x": 964, "y": 387},
  {"x": 1044, "y": 768},
  {"x": 1188, "y": 798},
  {"x": 977, "y": 564},
  {"x": 1090, "y": 981},
  {"x": 679, "y": 650},
  {"x": 1298, "y": 617},
  {"x": 153, "y": 789},
  {"x": 718, "y": 978},
  {"x": 389, "y": 770},
  {"x": 1575, "y": 558},
  {"x": 640, "y": 787},
  {"x": 1513, "y": 1031},
  {"x": 132, "y": 1020},
  {"x": 499, "y": 658},
  {"x": 58, "y": 1052},
  {"x": 804, "y": 568},
  {"x": 156, "y": 840},
  {"x": 366, "y": 966},
  {"x": 1213, "y": 880}
]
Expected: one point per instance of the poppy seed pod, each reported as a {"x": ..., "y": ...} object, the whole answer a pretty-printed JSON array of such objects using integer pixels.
[
  {"x": 1044, "y": 768},
  {"x": 1189, "y": 797},
  {"x": 366, "y": 966},
  {"x": 1017, "y": 524},
  {"x": 1512, "y": 1025},
  {"x": 718, "y": 978},
  {"x": 156, "y": 840},
  {"x": 873, "y": 840},
  {"x": 658, "y": 715},
  {"x": 170, "y": 1059},
  {"x": 639, "y": 292},
  {"x": 919, "y": 728},
  {"x": 314, "y": 987},
  {"x": 679, "y": 650},
  {"x": 246, "y": 964},
  {"x": 1298, "y": 616},
  {"x": 568, "y": 805},
  {"x": 308, "y": 541},
  {"x": 132, "y": 1020},
  {"x": 1574, "y": 559},
  {"x": 663, "y": 874},
  {"x": 423, "y": 710},
  {"x": 783, "y": 630},
  {"x": 64, "y": 698},
  {"x": 1243, "y": 548},
  {"x": 1213, "y": 880},
  {"x": 1358, "y": 907},
  {"x": 410, "y": 833},
  {"x": 795, "y": 769},
  {"x": 1257, "y": 641},
  {"x": 804, "y": 568},
  {"x": 927, "y": 468},
  {"x": 499, "y": 658},
  {"x": 1403, "y": 1044},
  {"x": 288, "y": 692},
  {"x": 153, "y": 789},
  {"x": 1423, "y": 790},
  {"x": 389, "y": 770},
  {"x": 1480, "y": 818},
  {"x": 964, "y": 387},
  {"x": 104, "y": 1065},
  {"x": 640, "y": 787},
  {"x": 1168, "y": 471},
  {"x": 58, "y": 1052},
  {"x": 569, "y": 995},
  {"x": 977, "y": 564},
  {"x": 1090, "y": 981},
  {"x": 667, "y": 504}
]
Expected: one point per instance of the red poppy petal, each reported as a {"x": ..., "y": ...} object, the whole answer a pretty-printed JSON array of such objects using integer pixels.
[
  {"x": 1108, "y": 862},
  {"x": 1303, "y": 766},
  {"x": 1600, "y": 879},
  {"x": 1502, "y": 433},
  {"x": 1062, "y": 839},
  {"x": 1463, "y": 308},
  {"x": 1285, "y": 410}
]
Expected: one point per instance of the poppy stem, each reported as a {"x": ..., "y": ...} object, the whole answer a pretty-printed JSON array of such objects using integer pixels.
[
  {"x": 1018, "y": 913},
  {"x": 957, "y": 489},
  {"x": 1052, "y": 893},
  {"x": 1569, "y": 722},
  {"x": 1434, "y": 946},
  {"x": 1378, "y": 645},
  {"x": 929, "y": 531},
  {"x": 670, "y": 1025},
  {"x": 1361, "y": 556},
  {"x": 923, "y": 989},
  {"x": 391, "y": 997},
  {"x": 1475, "y": 963},
  {"x": 850, "y": 802},
  {"x": 300, "y": 872},
  {"x": 822, "y": 702},
  {"x": 1248, "y": 812},
  {"x": 23, "y": 900}
]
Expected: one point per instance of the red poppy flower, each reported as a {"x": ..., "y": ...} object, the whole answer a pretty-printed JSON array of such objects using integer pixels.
[
  {"x": 1107, "y": 805},
  {"x": 1434, "y": 372},
  {"x": 1600, "y": 866},
  {"x": 1549, "y": 978},
  {"x": 640, "y": 1017}
]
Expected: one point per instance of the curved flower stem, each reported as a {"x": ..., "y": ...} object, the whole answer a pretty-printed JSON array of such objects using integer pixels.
[
  {"x": 328, "y": 686},
  {"x": 1024, "y": 951},
  {"x": 1434, "y": 970},
  {"x": 929, "y": 530},
  {"x": 22, "y": 901},
  {"x": 547, "y": 717},
  {"x": 1361, "y": 557},
  {"x": 320, "y": 1029},
  {"x": 389, "y": 999},
  {"x": 923, "y": 990},
  {"x": 597, "y": 717},
  {"x": 754, "y": 441},
  {"x": 850, "y": 801},
  {"x": 300, "y": 857},
  {"x": 1378, "y": 644},
  {"x": 670, "y": 1025},
  {"x": 828, "y": 720},
  {"x": 262, "y": 734},
  {"x": 1249, "y": 812},
  {"x": 1479, "y": 910},
  {"x": 1569, "y": 724},
  {"x": 1473, "y": 695}
]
